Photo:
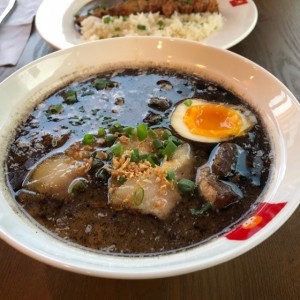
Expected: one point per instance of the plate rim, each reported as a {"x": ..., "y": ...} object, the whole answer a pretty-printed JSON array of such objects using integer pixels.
[{"x": 53, "y": 31}]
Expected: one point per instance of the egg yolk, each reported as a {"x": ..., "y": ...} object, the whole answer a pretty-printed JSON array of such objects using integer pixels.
[{"x": 212, "y": 120}]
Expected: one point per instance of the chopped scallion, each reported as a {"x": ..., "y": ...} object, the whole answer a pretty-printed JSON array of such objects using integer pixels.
[
  {"x": 166, "y": 134},
  {"x": 157, "y": 144},
  {"x": 106, "y": 19},
  {"x": 203, "y": 209},
  {"x": 102, "y": 174},
  {"x": 188, "y": 102},
  {"x": 122, "y": 179},
  {"x": 101, "y": 131},
  {"x": 55, "y": 109},
  {"x": 169, "y": 149},
  {"x": 170, "y": 175},
  {"x": 141, "y": 27},
  {"x": 117, "y": 149},
  {"x": 161, "y": 24},
  {"x": 186, "y": 186},
  {"x": 135, "y": 155},
  {"x": 102, "y": 83},
  {"x": 70, "y": 97},
  {"x": 129, "y": 131},
  {"x": 153, "y": 160},
  {"x": 110, "y": 138},
  {"x": 116, "y": 127},
  {"x": 138, "y": 196},
  {"x": 88, "y": 139},
  {"x": 78, "y": 185},
  {"x": 175, "y": 140},
  {"x": 142, "y": 131}
]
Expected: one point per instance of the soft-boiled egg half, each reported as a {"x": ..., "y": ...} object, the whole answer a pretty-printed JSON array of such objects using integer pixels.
[{"x": 209, "y": 122}]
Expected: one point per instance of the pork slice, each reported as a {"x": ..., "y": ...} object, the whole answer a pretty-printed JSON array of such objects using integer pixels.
[
  {"x": 54, "y": 175},
  {"x": 167, "y": 7},
  {"x": 218, "y": 193},
  {"x": 158, "y": 199},
  {"x": 151, "y": 192}
]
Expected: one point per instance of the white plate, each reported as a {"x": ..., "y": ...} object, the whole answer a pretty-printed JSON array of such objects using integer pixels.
[
  {"x": 54, "y": 22},
  {"x": 262, "y": 90}
]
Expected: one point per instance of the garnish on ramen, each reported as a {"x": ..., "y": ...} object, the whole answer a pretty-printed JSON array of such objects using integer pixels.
[{"x": 139, "y": 161}]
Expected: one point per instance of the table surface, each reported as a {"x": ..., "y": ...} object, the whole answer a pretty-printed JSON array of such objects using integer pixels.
[{"x": 269, "y": 271}]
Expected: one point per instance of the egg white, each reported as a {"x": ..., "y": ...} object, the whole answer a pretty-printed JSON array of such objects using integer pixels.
[{"x": 247, "y": 117}]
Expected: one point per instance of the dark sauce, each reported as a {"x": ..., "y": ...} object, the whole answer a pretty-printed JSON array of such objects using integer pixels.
[{"x": 129, "y": 97}]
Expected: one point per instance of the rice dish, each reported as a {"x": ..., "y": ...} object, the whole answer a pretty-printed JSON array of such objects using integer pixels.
[{"x": 195, "y": 26}]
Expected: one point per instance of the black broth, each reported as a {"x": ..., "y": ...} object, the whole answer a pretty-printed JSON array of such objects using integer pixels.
[{"x": 128, "y": 97}]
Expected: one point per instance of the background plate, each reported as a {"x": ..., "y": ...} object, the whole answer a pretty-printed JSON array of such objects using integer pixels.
[{"x": 54, "y": 22}]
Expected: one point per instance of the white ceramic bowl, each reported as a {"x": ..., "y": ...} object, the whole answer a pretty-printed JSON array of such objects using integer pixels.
[{"x": 280, "y": 110}]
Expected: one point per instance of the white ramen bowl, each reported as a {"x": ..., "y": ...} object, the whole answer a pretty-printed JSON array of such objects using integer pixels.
[{"x": 280, "y": 111}]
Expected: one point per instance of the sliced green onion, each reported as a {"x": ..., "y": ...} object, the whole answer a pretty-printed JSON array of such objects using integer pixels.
[
  {"x": 141, "y": 27},
  {"x": 135, "y": 155},
  {"x": 166, "y": 134},
  {"x": 129, "y": 131},
  {"x": 157, "y": 144},
  {"x": 170, "y": 175},
  {"x": 70, "y": 97},
  {"x": 138, "y": 196},
  {"x": 186, "y": 186},
  {"x": 88, "y": 139},
  {"x": 169, "y": 149},
  {"x": 97, "y": 162},
  {"x": 55, "y": 109},
  {"x": 152, "y": 133},
  {"x": 81, "y": 109},
  {"x": 95, "y": 111},
  {"x": 122, "y": 179},
  {"x": 87, "y": 93},
  {"x": 110, "y": 138},
  {"x": 101, "y": 131},
  {"x": 107, "y": 120},
  {"x": 143, "y": 156},
  {"x": 142, "y": 131},
  {"x": 102, "y": 174},
  {"x": 203, "y": 209},
  {"x": 78, "y": 185},
  {"x": 153, "y": 160},
  {"x": 175, "y": 140},
  {"x": 188, "y": 102},
  {"x": 117, "y": 149},
  {"x": 102, "y": 83},
  {"x": 116, "y": 127},
  {"x": 106, "y": 19},
  {"x": 161, "y": 24}
]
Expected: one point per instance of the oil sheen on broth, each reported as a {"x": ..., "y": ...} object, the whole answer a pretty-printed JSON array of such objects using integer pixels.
[{"x": 139, "y": 161}]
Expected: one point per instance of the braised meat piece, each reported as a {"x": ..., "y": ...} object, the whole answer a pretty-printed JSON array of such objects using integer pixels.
[
  {"x": 214, "y": 179},
  {"x": 218, "y": 193},
  {"x": 167, "y": 8},
  {"x": 224, "y": 160}
]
